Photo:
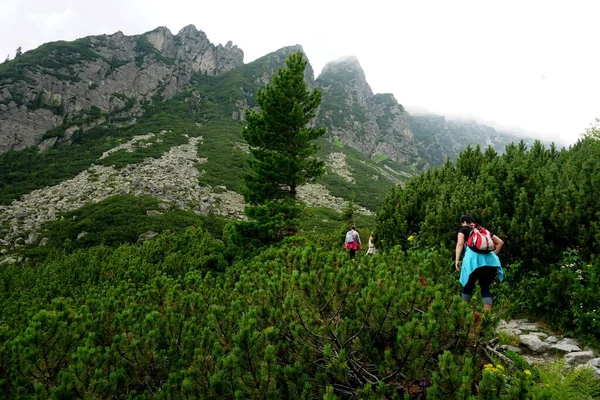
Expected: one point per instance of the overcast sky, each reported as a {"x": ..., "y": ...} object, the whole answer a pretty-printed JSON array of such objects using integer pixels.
[{"x": 526, "y": 64}]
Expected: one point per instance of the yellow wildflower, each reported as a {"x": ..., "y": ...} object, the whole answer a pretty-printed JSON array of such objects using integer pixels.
[{"x": 527, "y": 372}]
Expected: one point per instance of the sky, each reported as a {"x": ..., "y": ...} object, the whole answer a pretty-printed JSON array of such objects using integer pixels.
[{"x": 524, "y": 65}]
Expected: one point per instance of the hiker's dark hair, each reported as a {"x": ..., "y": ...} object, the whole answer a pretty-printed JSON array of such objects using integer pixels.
[
  {"x": 467, "y": 218},
  {"x": 353, "y": 227}
]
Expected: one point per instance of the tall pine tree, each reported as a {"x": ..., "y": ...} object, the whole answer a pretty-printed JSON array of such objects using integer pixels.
[
  {"x": 280, "y": 137},
  {"x": 281, "y": 142}
]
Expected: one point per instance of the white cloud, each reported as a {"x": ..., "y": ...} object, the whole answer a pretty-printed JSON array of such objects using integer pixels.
[{"x": 472, "y": 57}]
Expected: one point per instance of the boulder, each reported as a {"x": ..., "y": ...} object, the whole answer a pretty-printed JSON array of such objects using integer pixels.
[
  {"x": 533, "y": 343},
  {"x": 562, "y": 347},
  {"x": 551, "y": 339},
  {"x": 32, "y": 238},
  {"x": 579, "y": 357},
  {"x": 595, "y": 362}
]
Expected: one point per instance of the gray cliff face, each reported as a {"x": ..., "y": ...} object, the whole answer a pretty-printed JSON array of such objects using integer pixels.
[
  {"x": 370, "y": 123},
  {"x": 106, "y": 72}
]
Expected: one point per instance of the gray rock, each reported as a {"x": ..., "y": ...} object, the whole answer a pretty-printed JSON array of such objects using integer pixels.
[
  {"x": 564, "y": 348},
  {"x": 579, "y": 357},
  {"x": 541, "y": 335},
  {"x": 147, "y": 235},
  {"x": 570, "y": 341},
  {"x": 82, "y": 235},
  {"x": 32, "y": 238},
  {"x": 165, "y": 206},
  {"x": 8, "y": 261},
  {"x": 533, "y": 343},
  {"x": 529, "y": 326},
  {"x": 507, "y": 347},
  {"x": 153, "y": 213},
  {"x": 44, "y": 241},
  {"x": 551, "y": 339},
  {"x": 136, "y": 77},
  {"x": 595, "y": 362}
]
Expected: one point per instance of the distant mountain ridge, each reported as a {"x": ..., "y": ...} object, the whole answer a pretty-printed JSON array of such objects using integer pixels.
[{"x": 439, "y": 137}]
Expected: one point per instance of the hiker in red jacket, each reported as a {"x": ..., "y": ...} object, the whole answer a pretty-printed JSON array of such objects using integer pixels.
[{"x": 352, "y": 241}]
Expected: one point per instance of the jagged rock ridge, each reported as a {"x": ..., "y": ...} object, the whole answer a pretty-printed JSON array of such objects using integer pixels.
[
  {"x": 110, "y": 73},
  {"x": 371, "y": 123}
]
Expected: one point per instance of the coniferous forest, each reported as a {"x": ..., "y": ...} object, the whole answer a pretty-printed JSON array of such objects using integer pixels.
[{"x": 273, "y": 308}]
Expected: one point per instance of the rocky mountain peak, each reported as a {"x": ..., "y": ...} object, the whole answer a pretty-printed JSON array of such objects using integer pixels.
[
  {"x": 373, "y": 124},
  {"x": 347, "y": 74},
  {"x": 108, "y": 73}
]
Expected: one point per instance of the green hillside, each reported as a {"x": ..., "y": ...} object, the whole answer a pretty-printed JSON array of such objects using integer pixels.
[{"x": 139, "y": 297}]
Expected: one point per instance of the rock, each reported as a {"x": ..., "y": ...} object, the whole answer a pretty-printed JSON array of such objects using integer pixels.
[
  {"x": 541, "y": 335},
  {"x": 564, "y": 348},
  {"x": 153, "y": 213},
  {"x": 533, "y": 343},
  {"x": 8, "y": 261},
  {"x": 44, "y": 241},
  {"x": 529, "y": 326},
  {"x": 138, "y": 77},
  {"x": 516, "y": 322},
  {"x": 595, "y": 362},
  {"x": 551, "y": 339},
  {"x": 532, "y": 360},
  {"x": 570, "y": 341},
  {"x": 595, "y": 370},
  {"x": 32, "y": 238},
  {"x": 165, "y": 206},
  {"x": 82, "y": 235},
  {"x": 579, "y": 357},
  {"x": 507, "y": 347},
  {"x": 147, "y": 235}
]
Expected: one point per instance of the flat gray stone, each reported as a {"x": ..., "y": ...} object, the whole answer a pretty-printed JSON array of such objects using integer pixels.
[
  {"x": 541, "y": 335},
  {"x": 533, "y": 343},
  {"x": 153, "y": 213},
  {"x": 570, "y": 341},
  {"x": 579, "y": 357},
  {"x": 564, "y": 348},
  {"x": 529, "y": 326}
]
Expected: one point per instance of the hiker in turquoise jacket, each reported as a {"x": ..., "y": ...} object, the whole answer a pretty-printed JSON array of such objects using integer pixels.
[{"x": 477, "y": 266}]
